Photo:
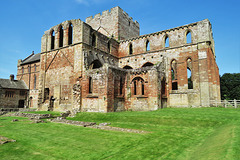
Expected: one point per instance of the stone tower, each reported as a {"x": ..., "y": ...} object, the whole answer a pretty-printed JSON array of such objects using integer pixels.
[{"x": 116, "y": 24}]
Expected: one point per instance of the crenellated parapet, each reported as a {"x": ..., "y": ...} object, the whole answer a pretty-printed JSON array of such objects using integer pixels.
[{"x": 114, "y": 23}]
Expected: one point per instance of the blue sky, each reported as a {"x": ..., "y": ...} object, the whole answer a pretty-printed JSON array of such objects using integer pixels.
[{"x": 23, "y": 23}]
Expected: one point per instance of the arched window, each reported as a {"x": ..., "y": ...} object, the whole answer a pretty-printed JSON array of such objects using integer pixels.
[
  {"x": 147, "y": 45},
  {"x": 60, "y": 36},
  {"x": 127, "y": 67},
  {"x": 95, "y": 64},
  {"x": 90, "y": 85},
  {"x": 70, "y": 34},
  {"x": 94, "y": 40},
  {"x": 130, "y": 49},
  {"x": 148, "y": 64},
  {"x": 35, "y": 67},
  {"x": 138, "y": 86},
  {"x": 188, "y": 37},
  {"x": 35, "y": 82},
  {"x": 166, "y": 41},
  {"x": 189, "y": 73},
  {"x": 174, "y": 75},
  {"x": 52, "y": 39}
]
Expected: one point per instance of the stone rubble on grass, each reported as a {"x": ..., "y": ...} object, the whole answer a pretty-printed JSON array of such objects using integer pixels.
[
  {"x": 103, "y": 126},
  {"x": 4, "y": 140},
  {"x": 30, "y": 115},
  {"x": 14, "y": 120}
]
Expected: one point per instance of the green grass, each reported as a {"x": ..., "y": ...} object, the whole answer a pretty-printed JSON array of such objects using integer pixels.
[
  {"x": 193, "y": 133},
  {"x": 53, "y": 113}
]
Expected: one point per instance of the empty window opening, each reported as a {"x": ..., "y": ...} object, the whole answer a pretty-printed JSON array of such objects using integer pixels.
[
  {"x": 94, "y": 40},
  {"x": 173, "y": 74},
  {"x": 70, "y": 34},
  {"x": 60, "y": 36},
  {"x": 147, "y": 45},
  {"x": 121, "y": 86},
  {"x": 130, "y": 49},
  {"x": 52, "y": 39},
  {"x": 166, "y": 41},
  {"x": 148, "y": 64},
  {"x": 174, "y": 86},
  {"x": 189, "y": 37},
  {"x": 35, "y": 82},
  {"x": 95, "y": 64},
  {"x": 135, "y": 87},
  {"x": 90, "y": 87},
  {"x": 189, "y": 75}
]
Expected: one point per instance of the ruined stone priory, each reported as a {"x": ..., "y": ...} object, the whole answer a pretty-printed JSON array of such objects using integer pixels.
[{"x": 104, "y": 65}]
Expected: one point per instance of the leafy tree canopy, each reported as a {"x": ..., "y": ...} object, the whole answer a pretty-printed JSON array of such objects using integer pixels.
[{"x": 230, "y": 86}]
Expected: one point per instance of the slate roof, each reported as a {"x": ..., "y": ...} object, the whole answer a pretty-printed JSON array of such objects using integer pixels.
[
  {"x": 15, "y": 84},
  {"x": 32, "y": 58}
]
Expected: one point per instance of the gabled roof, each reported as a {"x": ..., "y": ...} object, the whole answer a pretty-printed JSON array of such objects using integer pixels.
[
  {"x": 14, "y": 84},
  {"x": 32, "y": 58}
]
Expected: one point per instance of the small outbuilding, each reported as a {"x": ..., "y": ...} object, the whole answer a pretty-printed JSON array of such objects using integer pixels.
[{"x": 13, "y": 93}]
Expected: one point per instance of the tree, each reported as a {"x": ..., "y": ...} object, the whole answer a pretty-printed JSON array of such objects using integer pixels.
[{"x": 230, "y": 86}]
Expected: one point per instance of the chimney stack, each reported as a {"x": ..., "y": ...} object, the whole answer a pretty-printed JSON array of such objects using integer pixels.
[{"x": 11, "y": 77}]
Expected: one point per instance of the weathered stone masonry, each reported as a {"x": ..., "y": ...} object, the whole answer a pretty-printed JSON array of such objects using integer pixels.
[{"x": 103, "y": 65}]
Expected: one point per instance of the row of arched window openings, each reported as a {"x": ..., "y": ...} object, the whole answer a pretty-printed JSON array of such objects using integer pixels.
[
  {"x": 147, "y": 64},
  {"x": 166, "y": 42},
  {"x": 61, "y": 36},
  {"x": 174, "y": 74}
]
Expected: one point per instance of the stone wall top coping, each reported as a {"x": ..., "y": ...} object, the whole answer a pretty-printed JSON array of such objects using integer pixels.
[{"x": 164, "y": 31}]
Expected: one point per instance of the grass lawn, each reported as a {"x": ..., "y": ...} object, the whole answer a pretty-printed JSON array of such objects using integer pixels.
[{"x": 176, "y": 133}]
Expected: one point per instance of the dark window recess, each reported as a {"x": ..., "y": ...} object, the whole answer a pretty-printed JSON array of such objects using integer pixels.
[
  {"x": 61, "y": 36},
  {"x": 90, "y": 87},
  {"x": 135, "y": 88},
  {"x": 127, "y": 67},
  {"x": 70, "y": 34},
  {"x": 9, "y": 94},
  {"x": 130, "y": 49},
  {"x": 94, "y": 40},
  {"x": 109, "y": 47},
  {"x": 147, "y": 46},
  {"x": 52, "y": 40},
  {"x": 22, "y": 93},
  {"x": 174, "y": 86},
  {"x": 148, "y": 64}
]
